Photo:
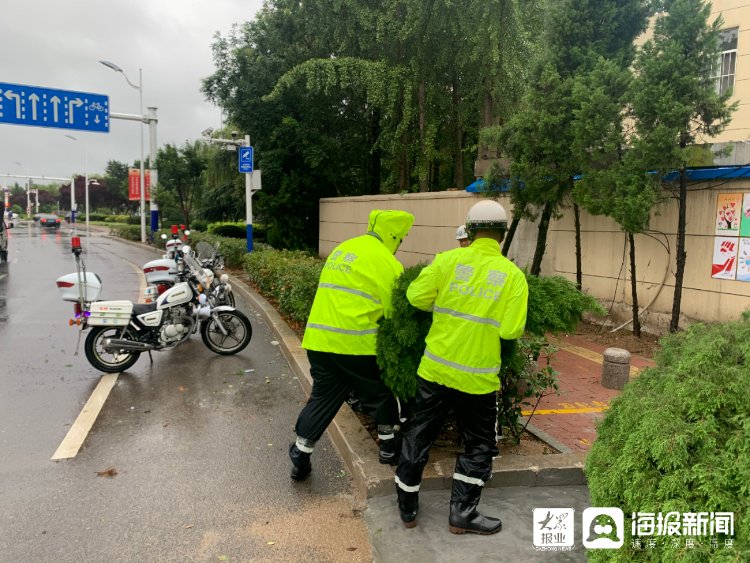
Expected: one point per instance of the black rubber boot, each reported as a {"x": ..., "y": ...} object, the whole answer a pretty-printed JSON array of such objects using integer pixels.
[
  {"x": 390, "y": 447},
  {"x": 301, "y": 465},
  {"x": 408, "y": 505},
  {"x": 466, "y": 519}
]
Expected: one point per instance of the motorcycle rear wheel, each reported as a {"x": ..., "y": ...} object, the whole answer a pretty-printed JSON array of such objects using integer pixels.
[
  {"x": 239, "y": 332},
  {"x": 108, "y": 362}
]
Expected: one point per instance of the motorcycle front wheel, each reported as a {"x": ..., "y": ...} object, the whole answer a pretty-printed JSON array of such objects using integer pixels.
[
  {"x": 108, "y": 362},
  {"x": 238, "y": 329}
]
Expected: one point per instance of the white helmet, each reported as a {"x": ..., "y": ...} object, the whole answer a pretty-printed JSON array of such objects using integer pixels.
[
  {"x": 486, "y": 214},
  {"x": 461, "y": 233}
]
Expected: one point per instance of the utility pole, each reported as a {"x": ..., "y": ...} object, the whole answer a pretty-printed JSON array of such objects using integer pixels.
[{"x": 252, "y": 184}]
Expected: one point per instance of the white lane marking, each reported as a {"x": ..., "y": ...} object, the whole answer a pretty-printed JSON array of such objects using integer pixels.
[{"x": 73, "y": 440}]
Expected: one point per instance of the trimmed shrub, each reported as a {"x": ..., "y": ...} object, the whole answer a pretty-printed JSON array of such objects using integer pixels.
[
  {"x": 229, "y": 230},
  {"x": 233, "y": 250},
  {"x": 128, "y": 232},
  {"x": 199, "y": 225},
  {"x": 678, "y": 439},
  {"x": 124, "y": 219},
  {"x": 288, "y": 277}
]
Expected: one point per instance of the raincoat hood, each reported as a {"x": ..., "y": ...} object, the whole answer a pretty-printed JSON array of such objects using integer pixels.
[{"x": 390, "y": 227}]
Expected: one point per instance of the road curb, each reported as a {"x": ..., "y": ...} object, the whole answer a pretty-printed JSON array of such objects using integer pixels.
[{"x": 360, "y": 453}]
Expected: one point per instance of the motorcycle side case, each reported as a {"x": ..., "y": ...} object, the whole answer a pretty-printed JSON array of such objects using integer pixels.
[
  {"x": 110, "y": 313},
  {"x": 160, "y": 271},
  {"x": 69, "y": 287}
]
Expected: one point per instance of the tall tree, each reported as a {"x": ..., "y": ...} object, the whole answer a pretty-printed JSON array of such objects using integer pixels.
[
  {"x": 675, "y": 101},
  {"x": 539, "y": 138},
  {"x": 614, "y": 181},
  {"x": 181, "y": 175}
]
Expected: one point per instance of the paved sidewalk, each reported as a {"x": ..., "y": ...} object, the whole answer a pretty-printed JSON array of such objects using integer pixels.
[
  {"x": 431, "y": 540},
  {"x": 570, "y": 418}
]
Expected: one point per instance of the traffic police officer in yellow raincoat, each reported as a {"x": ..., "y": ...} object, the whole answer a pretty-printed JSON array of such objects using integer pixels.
[
  {"x": 478, "y": 300},
  {"x": 353, "y": 294}
]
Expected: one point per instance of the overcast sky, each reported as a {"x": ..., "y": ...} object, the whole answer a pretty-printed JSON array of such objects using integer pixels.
[{"x": 58, "y": 44}]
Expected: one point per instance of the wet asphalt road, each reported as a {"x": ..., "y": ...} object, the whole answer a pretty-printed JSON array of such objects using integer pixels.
[{"x": 198, "y": 441}]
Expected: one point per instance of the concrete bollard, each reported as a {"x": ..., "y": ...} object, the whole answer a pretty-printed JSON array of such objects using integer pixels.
[{"x": 616, "y": 368}]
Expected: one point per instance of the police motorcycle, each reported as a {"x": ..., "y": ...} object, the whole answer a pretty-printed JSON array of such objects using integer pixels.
[
  {"x": 120, "y": 331},
  {"x": 161, "y": 274}
]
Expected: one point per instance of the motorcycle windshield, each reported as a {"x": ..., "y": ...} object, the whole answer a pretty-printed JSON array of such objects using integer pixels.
[{"x": 204, "y": 251}]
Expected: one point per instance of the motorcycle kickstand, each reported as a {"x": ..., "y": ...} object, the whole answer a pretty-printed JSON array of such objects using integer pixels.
[{"x": 150, "y": 357}]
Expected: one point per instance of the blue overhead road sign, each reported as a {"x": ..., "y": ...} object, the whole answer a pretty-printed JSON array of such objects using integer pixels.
[
  {"x": 246, "y": 159},
  {"x": 61, "y": 109}
]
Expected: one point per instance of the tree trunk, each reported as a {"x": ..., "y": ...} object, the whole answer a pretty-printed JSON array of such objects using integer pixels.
[
  {"x": 375, "y": 156},
  {"x": 681, "y": 254},
  {"x": 634, "y": 288},
  {"x": 541, "y": 240},
  {"x": 423, "y": 170},
  {"x": 458, "y": 156},
  {"x": 510, "y": 235},
  {"x": 579, "y": 269}
]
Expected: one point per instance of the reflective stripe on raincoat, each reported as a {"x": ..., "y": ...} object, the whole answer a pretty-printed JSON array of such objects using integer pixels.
[{"x": 477, "y": 297}]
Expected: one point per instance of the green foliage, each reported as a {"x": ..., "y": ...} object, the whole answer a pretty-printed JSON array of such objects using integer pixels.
[
  {"x": 288, "y": 277},
  {"x": 126, "y": 219},
  {"x": 181, "y": 178},
  {"x": 541, "y": 139},
  {"x": 228, "y": 229},
  {"x": 233, "y": 250},
  {"x": 555, "y": 306},
  {"x": 400, "y": 342},
  {"x": 128, "y": 232},
  {"x": 199, "y": 225},
  {"x": 678, "y": 439}
]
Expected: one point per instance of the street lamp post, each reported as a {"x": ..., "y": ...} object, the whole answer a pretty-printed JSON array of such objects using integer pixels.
[
  {"x": 28, "y": 188},
  {"x": 138, "y": 87},
  {"x": 86, "y": 180}
]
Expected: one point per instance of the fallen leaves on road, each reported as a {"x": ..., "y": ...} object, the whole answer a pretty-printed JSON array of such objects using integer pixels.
[
  {"x": 187, "y": 526},
  {"x": 111, "y": 472}
]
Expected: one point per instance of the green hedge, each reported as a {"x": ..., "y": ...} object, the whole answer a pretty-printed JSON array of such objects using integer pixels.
[
  {"x": 678, "y": 439},
  {"x": 228, "y": 229},
  {"x": 128, "y": 232},
  {"x": 288, "y": 277}
]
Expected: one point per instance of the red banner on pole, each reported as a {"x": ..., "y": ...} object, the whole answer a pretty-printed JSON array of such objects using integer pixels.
[{"x": 134, "y": 185}]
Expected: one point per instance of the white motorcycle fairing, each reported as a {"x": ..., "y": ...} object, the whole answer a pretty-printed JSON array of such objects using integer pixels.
[{"x": 176, "y": 295}]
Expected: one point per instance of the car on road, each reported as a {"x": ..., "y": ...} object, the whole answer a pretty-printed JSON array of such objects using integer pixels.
[{"x": 50, "y": 221}]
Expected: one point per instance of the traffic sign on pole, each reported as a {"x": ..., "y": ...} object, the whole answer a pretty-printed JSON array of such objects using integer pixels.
[
  {"x": 246, "y": 159},
  {"x": 59, "y": 109}
]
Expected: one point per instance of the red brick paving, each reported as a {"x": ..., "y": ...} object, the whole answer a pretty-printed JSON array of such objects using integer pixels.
[{"x": 580, "y": 385}]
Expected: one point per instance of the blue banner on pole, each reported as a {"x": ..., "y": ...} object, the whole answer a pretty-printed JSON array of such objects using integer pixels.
[{"x": 59, "y": 109}]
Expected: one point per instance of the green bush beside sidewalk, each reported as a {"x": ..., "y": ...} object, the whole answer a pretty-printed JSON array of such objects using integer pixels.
[{"x": 678, "y": 439}]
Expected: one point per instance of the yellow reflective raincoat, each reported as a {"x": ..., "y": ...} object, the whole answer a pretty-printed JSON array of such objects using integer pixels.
[
  {"x": 477, "y": 296},
  {"x": 355, "y": 287}
]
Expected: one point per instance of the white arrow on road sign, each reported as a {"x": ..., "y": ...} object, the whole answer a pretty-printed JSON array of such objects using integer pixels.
[
  {"x": 78, "y": 102},
  {"x": 34, "y": 99},
  {"x": 10, "y": 95},
  {"x": 55, "y": 101}
]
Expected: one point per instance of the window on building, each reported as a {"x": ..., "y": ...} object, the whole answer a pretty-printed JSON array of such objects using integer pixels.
[{"x": 725, "y": 67}]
